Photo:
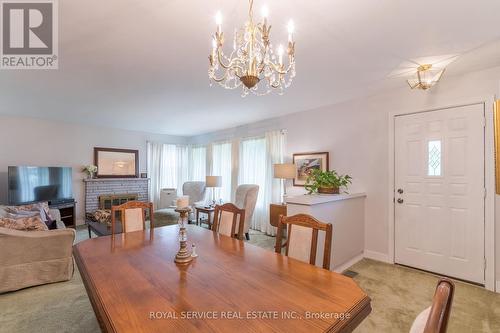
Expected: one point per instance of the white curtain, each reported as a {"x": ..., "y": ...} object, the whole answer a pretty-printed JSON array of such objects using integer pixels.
[
  {"x": 275, "y": 154},
  {"x": 257, "y": 156},
  {"x": 168, "y": 167},
  {"x": 222, "y": 166},
  {"x": 253, "y": 170},
  {"x": 197, "y": 163}
]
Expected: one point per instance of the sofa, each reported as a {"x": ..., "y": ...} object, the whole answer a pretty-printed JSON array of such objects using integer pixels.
[{"x": 31, "y": 258}]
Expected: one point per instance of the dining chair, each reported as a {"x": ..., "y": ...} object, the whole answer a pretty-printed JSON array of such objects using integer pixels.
[
  {"x": 226, "y": 220},
  {"x": 302, "y": 240},
  {"x": 132, "y": 216},
  {"x": 434, "y": 319}
]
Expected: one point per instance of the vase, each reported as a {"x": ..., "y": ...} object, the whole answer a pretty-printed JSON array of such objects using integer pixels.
[{"x": 328, "y": 190}]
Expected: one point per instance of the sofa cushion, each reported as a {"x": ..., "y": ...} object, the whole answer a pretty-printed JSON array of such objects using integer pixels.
[
  {"x": 29, "y": 223},
  {"x": 42, "y": 208}
]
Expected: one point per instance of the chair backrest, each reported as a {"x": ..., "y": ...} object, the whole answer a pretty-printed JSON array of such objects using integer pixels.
[
  {"x": 302, "y": 239},
  {"x": 167, "y": 197},
  {"x": 132, "y": 216},
  {"x": 226, "y": 220},
  {"x": 246, "y": 198},
  {"x": 437, "y": 322},
  {"x": 195, "y": 191}
]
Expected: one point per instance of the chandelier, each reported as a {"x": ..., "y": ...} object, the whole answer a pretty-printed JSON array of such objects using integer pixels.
[
  {"x": 426, "y": 77},
  {"x": 252, "y": 63}
]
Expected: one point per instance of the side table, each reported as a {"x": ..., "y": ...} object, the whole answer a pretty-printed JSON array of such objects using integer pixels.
[{"x": 204, "y": 210}]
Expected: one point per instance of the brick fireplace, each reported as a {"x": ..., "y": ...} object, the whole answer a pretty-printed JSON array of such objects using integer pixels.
[{"x": 97, "y": 189}]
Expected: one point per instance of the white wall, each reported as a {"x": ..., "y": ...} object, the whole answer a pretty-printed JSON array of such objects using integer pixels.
[
  {"x": 29, "y": 141},
  {"x": 356, "y": 134}
]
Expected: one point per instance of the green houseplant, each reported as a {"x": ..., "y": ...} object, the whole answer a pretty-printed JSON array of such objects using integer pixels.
[{"x": 327, "y": 182}]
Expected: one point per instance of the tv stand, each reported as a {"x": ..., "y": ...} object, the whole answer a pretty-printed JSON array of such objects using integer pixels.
[{"x": 68, "y": 212}]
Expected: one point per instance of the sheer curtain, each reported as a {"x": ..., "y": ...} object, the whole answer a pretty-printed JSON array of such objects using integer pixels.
[
  {"x": 275, "y": 154},
  {"x": 257, "y": 156},
  {"x": 222, "y": 166},
  {"x": 253, "y": 170},
  {"x": 167, "y": 168},
  {"x": 197, "y": 163}
]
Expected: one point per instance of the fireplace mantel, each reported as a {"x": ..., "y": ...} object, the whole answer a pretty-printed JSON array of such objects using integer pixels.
[{"x": 86, "y": 180}]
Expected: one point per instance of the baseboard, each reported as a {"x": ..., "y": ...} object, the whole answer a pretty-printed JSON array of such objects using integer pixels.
[
  {"x": 348, "y": 263},
  {"x": 377, "y": 256}
]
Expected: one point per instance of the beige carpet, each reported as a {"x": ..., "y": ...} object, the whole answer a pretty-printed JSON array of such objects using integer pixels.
[{"x": 398, "y": 295}]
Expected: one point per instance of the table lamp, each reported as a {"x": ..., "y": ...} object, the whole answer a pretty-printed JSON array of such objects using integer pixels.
[
  {"x": 284, "y": 171},
  {"x": 213, "y": 182}
]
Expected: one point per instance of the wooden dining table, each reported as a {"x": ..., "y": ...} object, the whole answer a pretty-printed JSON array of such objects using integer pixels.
[{"x": 232, "y": 286}]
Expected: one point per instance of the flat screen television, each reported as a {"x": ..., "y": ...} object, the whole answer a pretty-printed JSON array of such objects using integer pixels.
[{"x": 28, "y": 184}]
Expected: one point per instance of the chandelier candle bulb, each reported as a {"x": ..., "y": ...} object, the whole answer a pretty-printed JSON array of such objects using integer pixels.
[
  {"x": 291, "y": 30},
  {"x": 280, "y": 54},
  {"x": 265, "y": 13},
  {"x": 218, "y": 21}
]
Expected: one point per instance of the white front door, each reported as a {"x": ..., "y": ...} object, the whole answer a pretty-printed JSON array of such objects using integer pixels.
[{"x": 440, "y": 191}]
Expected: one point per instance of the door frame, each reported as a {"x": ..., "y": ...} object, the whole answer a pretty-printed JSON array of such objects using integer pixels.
[{"x": 489, "y": 174}]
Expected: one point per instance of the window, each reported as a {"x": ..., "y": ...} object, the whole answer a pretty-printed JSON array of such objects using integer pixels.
[
  {"x": 253, "y": 170},
  {"x": 434, "y": 158},
  {"x": 197, "y": 163},
  {"x": 167, "y": 168},
  {"x": 221, "y": 166}
]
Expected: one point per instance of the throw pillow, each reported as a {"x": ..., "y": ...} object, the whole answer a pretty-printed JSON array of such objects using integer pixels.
[
  {"x": 30, "y": 223},
  {"x": 103, "y": 216},
  {"x": 41, "y": 208}
]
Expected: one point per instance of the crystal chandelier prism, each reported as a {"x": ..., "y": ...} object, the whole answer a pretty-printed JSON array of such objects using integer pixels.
[{"x": 252, "y": 63}]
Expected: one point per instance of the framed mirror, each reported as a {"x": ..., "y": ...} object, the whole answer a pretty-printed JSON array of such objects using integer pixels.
[{"x": 116, "y": 163}]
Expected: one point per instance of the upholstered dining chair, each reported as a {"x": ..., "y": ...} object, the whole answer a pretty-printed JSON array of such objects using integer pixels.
[
  {"x": 434, "y": 319},
  {"x": 302, "y": 239},
  {"x": 227, "y": 219},
  {"x": 246, "y": 198},
  {"x": 132, "y": 216}
]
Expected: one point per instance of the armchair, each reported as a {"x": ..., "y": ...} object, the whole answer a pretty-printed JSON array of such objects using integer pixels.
[
  {"x": 166, "y": 215},
  {"x": 246, "y": 198}
]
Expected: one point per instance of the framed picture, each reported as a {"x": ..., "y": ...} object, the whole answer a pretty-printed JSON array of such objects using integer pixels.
[
  {"x": 116, "y": 163},
  {"x": 305, "y": 162}
]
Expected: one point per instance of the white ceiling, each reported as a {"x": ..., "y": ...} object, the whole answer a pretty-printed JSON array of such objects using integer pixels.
[{"x": 142, "y": 65}]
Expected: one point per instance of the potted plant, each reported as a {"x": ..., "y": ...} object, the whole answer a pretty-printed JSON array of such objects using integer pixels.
[
  {"x": 90, "y": 170},
  {"x": 326, "y": 182}
]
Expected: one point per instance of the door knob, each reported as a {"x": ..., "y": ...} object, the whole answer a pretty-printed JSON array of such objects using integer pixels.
[
  {"x": 400, "y": 191},
  {"x": 400, "y": 201}
]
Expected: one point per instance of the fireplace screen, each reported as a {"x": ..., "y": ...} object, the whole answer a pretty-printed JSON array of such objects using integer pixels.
[{"x": 106, "y": 201}]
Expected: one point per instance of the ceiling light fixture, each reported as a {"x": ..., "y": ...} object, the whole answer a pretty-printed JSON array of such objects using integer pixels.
[
  {"x": 252, "y": 61},
  {"x": 426, "y": 77}
]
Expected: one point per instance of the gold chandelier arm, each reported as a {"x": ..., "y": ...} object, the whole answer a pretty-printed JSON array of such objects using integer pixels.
[
  {"x": 277, "y": 69},
  {"x": 219, "y": 79},
  {"x": 232, "y": 62},
  {"x": 250, "y": 10}
]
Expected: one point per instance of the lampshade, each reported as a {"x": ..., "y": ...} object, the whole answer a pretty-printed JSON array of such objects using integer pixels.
[
  {"x": 213, "y": 181},
  {"x": 284, "y": 171}
]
